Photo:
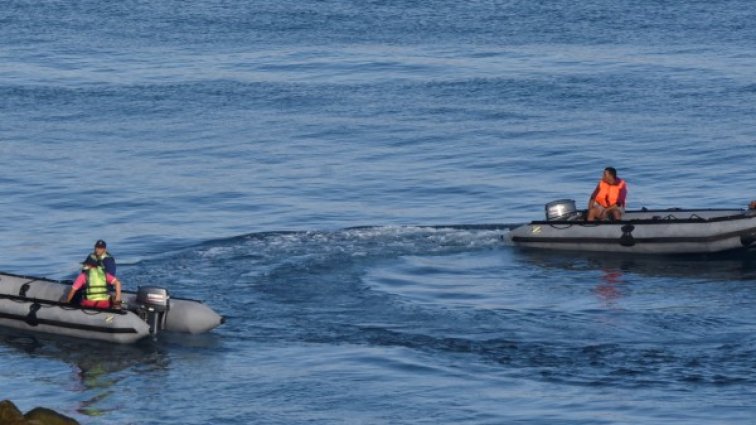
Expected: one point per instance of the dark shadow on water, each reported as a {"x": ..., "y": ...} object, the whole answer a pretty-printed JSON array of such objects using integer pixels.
[
  {"x": 720, "y": 267},
  {"x": 97, "y": 367}
]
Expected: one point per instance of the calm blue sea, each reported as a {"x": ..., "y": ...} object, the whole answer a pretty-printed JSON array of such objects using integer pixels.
[{"x": 335, "y": 176}]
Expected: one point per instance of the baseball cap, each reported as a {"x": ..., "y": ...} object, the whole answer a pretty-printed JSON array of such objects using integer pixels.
[{"x": 100, "y": 244}]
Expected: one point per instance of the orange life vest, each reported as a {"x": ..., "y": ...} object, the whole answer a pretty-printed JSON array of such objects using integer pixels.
[{"x": 608, "y": 194}]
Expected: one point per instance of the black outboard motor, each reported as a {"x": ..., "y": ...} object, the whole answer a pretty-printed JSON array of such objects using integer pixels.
[{"x": 153, "y": 304}]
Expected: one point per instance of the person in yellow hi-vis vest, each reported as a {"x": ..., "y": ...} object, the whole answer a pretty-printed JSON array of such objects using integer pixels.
[{"x": 97, "y": 273}]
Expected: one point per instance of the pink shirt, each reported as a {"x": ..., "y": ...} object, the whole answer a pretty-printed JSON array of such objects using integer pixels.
[{"x": 81, "y": 279}]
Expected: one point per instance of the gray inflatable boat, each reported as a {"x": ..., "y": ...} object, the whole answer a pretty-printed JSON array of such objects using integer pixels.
[
  {"x": 669, "y": 231},
  {"x": 34, "y": 304}
]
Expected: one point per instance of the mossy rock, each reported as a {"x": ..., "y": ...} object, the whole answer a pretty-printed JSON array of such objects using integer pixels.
[
  {"x": 48, "y": 417},
  {"x": 10, "y": 415}
]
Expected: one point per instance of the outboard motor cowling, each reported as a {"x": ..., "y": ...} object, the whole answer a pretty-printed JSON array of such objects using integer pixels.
[
  {"x": 561, "y": 209},
  {"x": 153, "y": 304}
]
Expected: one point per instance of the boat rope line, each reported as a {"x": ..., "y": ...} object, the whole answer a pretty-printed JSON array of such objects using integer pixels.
[
  {"x": 37, "y": 304},
  {"x": 31, "y": 278},
  {"x": 64, "y": 306},
  {"x": 748, "y": 236},
  {"x": 669, "y": 218},
  {"x": 69, "y": 282},
  {"x": 34, "y": 321}
]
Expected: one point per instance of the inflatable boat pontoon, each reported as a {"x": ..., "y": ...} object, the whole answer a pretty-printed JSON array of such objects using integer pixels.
[
  {"x": 669, "y": 231},
  {"x": 34, "y": 304}
]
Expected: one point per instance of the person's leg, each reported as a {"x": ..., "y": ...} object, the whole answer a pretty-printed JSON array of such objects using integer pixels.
[
  {"x": 594, "y": 212},
  {"x": 591, "y": 215}
]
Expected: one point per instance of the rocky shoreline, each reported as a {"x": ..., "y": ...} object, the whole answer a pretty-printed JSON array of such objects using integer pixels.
[{"x": 10, "y": 415}]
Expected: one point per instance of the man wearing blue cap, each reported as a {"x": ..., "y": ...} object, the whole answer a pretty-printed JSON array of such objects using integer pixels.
[{"x": 97, "y": 272}]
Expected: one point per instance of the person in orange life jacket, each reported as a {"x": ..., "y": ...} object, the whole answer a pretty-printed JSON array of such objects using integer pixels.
[
  {"x": 97, "y": 272},
  {"x": 608, "y": 199},
  {"x": 752, "y": 205}
]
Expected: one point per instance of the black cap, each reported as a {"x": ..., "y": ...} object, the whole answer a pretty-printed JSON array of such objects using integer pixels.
[{"x": 100, "y": 244}]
